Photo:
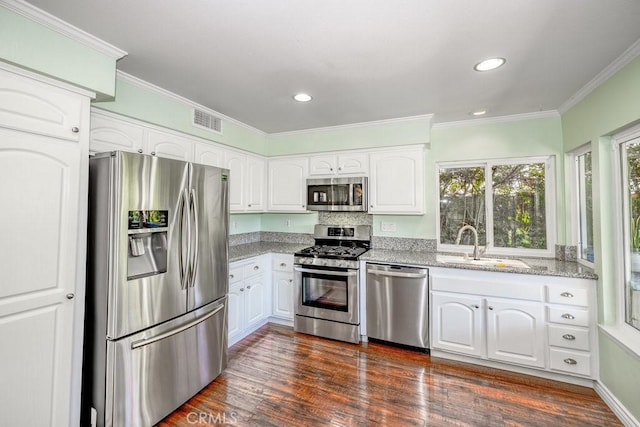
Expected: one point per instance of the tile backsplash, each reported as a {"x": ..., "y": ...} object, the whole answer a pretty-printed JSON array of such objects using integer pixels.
[{"x": 345, "y": 218}]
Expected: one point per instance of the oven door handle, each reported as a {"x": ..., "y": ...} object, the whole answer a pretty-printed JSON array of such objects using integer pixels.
[{"x": 329, "y": 272}]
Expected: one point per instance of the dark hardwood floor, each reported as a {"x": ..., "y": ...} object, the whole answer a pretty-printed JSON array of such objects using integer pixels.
[{"x": 277, "y": 377}]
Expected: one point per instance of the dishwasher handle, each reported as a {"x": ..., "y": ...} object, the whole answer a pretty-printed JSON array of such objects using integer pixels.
[{"x": 388, "y": 273}]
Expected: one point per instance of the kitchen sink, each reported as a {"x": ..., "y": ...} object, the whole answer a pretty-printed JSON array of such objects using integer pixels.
[{"x": 488, "y": 262}]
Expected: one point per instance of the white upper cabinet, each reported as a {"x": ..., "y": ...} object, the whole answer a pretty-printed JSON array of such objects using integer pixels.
[
  {"x": 343, "y": 164},
  {"x": 248, "y": 182},
  {"x": 396, "y": 181},
  {"x": 108, "y": 134},
  {"x": 237, "y": 164},
  {"x": 209, "y": 154},
  {"x": 37, "y": 107},
  {"x": 168, "y": 145},
  {"x": 256, "y": 183},
  {"x": 287, "y": 184}
]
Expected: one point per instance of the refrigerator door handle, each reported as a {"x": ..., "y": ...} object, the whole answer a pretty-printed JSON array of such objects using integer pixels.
[
  {"x": 172, "y": 332},
  {"x": 184, "y": 265},
  {"x": 196, "y": 249}
]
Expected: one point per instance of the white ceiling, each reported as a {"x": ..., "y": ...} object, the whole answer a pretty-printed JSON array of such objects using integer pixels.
[{"x": 361, "y": 60}]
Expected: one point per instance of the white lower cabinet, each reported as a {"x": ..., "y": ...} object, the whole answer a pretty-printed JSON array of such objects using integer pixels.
[
  {"x": 249, "y": 297},
  {"x": 282, "y": 266},
  {"x": 516, "y": 319}
]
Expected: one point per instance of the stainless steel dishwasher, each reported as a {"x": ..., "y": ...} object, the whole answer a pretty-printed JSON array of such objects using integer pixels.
[{"x": 398, "y": 304}]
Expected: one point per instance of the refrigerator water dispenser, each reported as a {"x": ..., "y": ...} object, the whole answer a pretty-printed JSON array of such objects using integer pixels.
[{"x": 147, "y": 254}]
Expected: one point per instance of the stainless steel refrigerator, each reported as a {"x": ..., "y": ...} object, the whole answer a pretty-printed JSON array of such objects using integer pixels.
[{"x": 157, "y": 283}]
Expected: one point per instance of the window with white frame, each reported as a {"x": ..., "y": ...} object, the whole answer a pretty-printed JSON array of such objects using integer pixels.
[
  {"x": 510, "y": 202},
  {"x": 584, "y": 203},
  {"x": 627, "y": 149}
]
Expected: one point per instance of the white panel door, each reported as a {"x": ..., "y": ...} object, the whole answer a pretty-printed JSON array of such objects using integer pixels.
[
  {"x": 37, "y": 107},
  {"x": 457, "y": 323},
  {"x": 169, "y": 146},
  {"x": 236, "y": 311},
  {"x": 396, "y": 183},
  {"x": 283, "y": 295},
  {"x": 256, "y": 300},
  {"x": 515, "y": 332},
  {"x": 237, "y": 164},
  {"x": 209, "y": 155},
  {"x": 288, "y": 184},
  {"x": 353, "y": 164},
  {"x": 109, "y": 134},
  {"x": 323, "y": 165},
  {"x": 40, "y": 181},
  {"x": 256, "y": 184}
]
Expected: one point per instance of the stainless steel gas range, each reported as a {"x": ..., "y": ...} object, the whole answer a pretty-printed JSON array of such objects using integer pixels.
[{"x": 326, "y": 282}]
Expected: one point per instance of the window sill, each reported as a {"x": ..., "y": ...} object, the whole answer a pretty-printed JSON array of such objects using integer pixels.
[{"x": 626, "y": 336}]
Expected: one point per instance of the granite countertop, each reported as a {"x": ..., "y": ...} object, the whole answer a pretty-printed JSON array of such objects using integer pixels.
[
  {"x": 248, "y": 250},
  {"x": 539, "y": 266}
]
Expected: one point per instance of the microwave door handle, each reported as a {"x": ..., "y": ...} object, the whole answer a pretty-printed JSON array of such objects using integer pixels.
[{"x": 196, "y": 234}]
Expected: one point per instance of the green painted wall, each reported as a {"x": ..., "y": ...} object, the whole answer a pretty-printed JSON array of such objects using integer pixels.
[
  {"x": 145, "y": 104},
  {"x": 613, "y": 106},
  {"x": 30, "y": 45},
  {"x": 244, "y": 223},
  {"x": 377, "y": 134}
]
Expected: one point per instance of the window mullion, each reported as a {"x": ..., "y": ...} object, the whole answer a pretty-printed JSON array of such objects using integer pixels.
[{"x": 488, "y": 194}]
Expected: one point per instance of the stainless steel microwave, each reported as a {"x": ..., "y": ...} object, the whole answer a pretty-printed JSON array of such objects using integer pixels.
[{"x": 337, "y": 194}]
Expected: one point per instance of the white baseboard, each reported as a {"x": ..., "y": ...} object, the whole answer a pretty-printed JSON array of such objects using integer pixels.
[{"x": 615, "y": 405}]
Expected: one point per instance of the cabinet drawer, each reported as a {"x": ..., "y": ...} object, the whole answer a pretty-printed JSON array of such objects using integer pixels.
[
  {"x": 235, "y": 274},
  {"x": 566, "y": 295},
  {"x": 564, "y": 336},
  {"x": 281, "y": 262},
  {"x": 254, "y": 268},
  {"x": 568, "y": 316},
  {"x": 570, "y": 361}
]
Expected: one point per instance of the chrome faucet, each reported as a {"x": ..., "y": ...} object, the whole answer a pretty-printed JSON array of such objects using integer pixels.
[{"x": 476, "y": 250}]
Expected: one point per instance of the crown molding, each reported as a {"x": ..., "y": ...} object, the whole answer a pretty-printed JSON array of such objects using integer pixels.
[
  {"x": 428, "y": 117},
  {"x": 627, "y": 56},
  {"x": 500, "y": 119},
  {"x": 121, "y": 75},
  {"x": 58, "y": 25}
]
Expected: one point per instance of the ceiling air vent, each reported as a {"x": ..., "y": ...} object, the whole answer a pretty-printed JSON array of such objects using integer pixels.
[{"x": 208, "y": 121}]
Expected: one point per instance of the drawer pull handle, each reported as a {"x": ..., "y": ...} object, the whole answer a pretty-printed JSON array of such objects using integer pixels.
[
  {"x": 568, "y": 316},
  {"x": 475, "y": 306},
  {"x": 231, "y": 276},
  {"x": 75, "y": 129},
  {"x": 569, "y": 337},
  {"x": 490, "y": 308},
  {"x": 566, "y": 295},
  {"x": 570, "y": 361},
  {"x": 248, "y": 286},
  {"x": 282, "y": 264},
  {"x": 241, "y": 289},
  {"x": 256, "y": 268}
]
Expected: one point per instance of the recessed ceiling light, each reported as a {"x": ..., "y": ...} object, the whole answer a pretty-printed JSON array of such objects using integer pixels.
[
  {"x": 302, "y": 97},
  {"x": 479, "y": 113},
  {"x": 489, "y": 64}
]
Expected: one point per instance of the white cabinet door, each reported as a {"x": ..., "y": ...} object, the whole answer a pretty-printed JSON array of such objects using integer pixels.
[
  {"x": 323, "y": 165},
  {"x": 457, "y": 323},
  {"x": 287, "y": 184},
  {"x": 208, "y": 154},
  {"x": 283, "y": 295},
  {"x": 515, "y": 332},
  {"x": 256, "y": 302},
  {"x": 353, "y": 164},
  {"x": 396, "y": 182},
  {"x": 236, "y": 311},
  {"x": 237, "y": 164},
  {"x": 37, "y": 107},
  {"x": 41, "y": 251},
  {"x": 167, "y": 145},
  {"x": 109, "y": 134},
  {"x": 256, "y": 184}
]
